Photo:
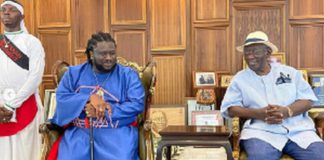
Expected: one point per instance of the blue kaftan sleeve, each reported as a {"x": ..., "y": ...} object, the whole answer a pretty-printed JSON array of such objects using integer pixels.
[
  {"x": 134, "y": 103},
  {"x": 69, "y": 103}
]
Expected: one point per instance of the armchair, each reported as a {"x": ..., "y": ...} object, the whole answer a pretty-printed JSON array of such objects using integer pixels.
[
  {"x": 51, "y": 132},
  {"x": 240, "y": 154}
]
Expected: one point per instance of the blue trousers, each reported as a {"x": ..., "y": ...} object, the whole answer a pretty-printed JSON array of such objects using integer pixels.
[{"x": 257, "y": 149}]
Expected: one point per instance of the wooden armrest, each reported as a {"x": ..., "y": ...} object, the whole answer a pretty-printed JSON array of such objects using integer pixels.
[
  {"x": 236, "y": 130},
  {"x": 47, "y": 127}
]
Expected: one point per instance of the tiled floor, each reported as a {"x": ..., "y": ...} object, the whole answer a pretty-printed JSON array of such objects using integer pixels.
[{"x": 194, "y": 153}]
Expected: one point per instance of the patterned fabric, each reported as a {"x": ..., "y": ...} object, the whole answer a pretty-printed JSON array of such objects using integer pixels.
[{"x": 81, "y": 123}]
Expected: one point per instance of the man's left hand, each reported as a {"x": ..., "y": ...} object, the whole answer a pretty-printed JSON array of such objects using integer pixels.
[{"x": 276, "y": 114}]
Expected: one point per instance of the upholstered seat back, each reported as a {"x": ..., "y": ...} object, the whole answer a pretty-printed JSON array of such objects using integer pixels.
[{"x": 147, "y": 75}]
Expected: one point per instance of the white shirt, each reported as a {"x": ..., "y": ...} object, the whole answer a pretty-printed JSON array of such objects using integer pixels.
[
  {"x": 250, "y": 90},
  {"x": 17, "y": 84}
]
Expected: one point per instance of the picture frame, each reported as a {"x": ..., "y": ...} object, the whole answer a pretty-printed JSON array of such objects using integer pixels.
[
  {"x": 226, "y": 80},
  {"x": 305, "y": 74},
  {"x": 52, "y": 106},
  {"x": 204, "y": 79},
  {"x": 194, "y": 106},
  {"x": 317, "y": 83},
  {"x": 277, "y": 57},
  {"x": 207, "y": 118},
  {"x": 165, "y": 115},
  {"x": 48, "y": 103}
]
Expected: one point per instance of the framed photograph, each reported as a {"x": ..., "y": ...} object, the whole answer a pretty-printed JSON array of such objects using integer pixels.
[
  {"x": 207, "y": 118},
  {"x": 317, "y": 82},
  {"x": 304, "y": 73},
  {"x": 226, "y": 80},
  {"x": 204, "y": 79},
  {"x": 165, "y": 115},
  {"x": 277, "y": 57},
  {"x": 52, "y": 106},
  {"x": 194, "y": 106},
  {"x": 48, "y": 100}
]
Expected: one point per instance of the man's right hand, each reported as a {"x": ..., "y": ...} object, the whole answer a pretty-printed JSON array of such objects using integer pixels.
[
  {"x": 5, "y": 115},
  {"x": 99, "y": 105}
]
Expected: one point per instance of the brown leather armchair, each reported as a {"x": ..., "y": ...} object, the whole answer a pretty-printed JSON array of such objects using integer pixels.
[
  {"x": 240, "y": 154},
  {"x": 147, "y": 74}
]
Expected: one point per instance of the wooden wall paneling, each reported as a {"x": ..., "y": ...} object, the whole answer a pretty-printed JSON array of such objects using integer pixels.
[
  {"x": 168, "y": 25},
  {"x": 131, "y": 44},
  {"x": 29, "y": 15},
  {"x": 249, "y": 1},
  {"x": 80, "y": 57},
  {"x": 301, "y": 9},
  {"x": 57, "y": 45},
  {"x": 90, "y": 17},
  {"x": 170, "y": 85},
  {"x": 211, "y": 50},
  {"x": 204, "y": 11},
  {"x": 128, "y": 12},
  {"x": 269, "y": 17},
  {"x": 306, "y": 46},
  {"x": 51, "y": 13}
]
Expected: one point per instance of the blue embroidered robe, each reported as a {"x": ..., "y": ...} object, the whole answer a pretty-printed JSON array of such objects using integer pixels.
[{"x": 119, "y": 143}]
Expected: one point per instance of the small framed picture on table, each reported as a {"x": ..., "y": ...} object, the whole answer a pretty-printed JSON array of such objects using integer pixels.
[{"x": 207, "y": 118}]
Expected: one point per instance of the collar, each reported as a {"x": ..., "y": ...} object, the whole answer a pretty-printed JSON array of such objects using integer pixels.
[{"x": 13, "y": 33}]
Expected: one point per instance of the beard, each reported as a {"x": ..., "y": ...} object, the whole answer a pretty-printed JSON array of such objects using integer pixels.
[{"x": 101, "y": 68}]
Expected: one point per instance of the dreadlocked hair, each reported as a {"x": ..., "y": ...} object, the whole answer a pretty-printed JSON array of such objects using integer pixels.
[{"x": 95, "y": 38}]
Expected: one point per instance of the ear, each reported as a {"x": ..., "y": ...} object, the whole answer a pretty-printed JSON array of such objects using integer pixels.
[
  {"x": 269, "y": 51},
  {"x": 91, "y": 55}
]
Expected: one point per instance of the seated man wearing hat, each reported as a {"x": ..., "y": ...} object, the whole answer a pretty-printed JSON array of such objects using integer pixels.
[{"x": 274, "y": 98}]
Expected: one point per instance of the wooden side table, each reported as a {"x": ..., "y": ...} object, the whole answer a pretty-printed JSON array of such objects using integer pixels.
[{"x": 194, "y": 136}]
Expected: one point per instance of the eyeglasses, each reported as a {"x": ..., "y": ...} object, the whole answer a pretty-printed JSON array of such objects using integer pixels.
[
  {"x": 13, "y": 9},
  {"x": 254, "y": 52}
]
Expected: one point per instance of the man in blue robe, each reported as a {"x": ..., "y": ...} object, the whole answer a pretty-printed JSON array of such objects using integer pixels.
[{"x": 109, "y": 93}]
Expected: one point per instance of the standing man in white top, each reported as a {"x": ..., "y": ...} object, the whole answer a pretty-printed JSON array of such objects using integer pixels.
[
  {"x": 22, "y": 65},
  {"x": 275, "y": 99}
]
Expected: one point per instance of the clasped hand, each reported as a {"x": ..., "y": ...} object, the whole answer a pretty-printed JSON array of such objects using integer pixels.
[
  {"x": 274, "y": 114},
  {"x": 5, "y": 115},
  {"x": 96, "y": 107}
]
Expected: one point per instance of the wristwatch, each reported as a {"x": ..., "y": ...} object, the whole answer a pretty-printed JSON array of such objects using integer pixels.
[{"x": 290, "y": 112}]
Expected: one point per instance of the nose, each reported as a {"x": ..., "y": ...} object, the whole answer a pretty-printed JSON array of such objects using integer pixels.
[{"x": 107, "y": 56}]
